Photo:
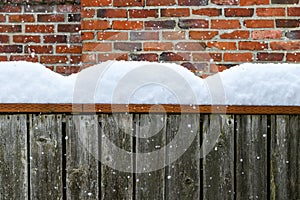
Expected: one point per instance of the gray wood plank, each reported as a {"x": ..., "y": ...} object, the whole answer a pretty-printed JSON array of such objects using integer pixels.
[
  {"x": 82, "y": 157},
  {"x": 13, "y": 157},
  {"x": 285, "y": 157},
  {"x": 151, "y": 138},
  {"x": 218, "y": 164},
  {"x": 116, "y": 163},
  {"x": 251, "y": 144},
  {"x": 183, "y": 175},
  {"x": 46, "y": 156}
]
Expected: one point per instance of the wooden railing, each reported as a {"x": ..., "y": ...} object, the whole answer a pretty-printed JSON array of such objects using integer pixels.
[{"x": 50, "y": 151}]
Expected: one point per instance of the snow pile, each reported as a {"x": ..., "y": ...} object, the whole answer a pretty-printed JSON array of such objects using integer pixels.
[{"x": 151, "y": 83}]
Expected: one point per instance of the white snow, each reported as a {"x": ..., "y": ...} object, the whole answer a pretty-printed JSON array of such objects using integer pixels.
[{"x": 151, "y": 83}]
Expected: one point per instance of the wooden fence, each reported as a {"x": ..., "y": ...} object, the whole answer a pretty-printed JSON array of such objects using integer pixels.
[{"x": 44, "y": 156}]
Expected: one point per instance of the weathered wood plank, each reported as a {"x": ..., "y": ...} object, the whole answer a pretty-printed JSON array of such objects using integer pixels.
[
  {"x": 117, "y": 163},
  {"x": 285, "y": 157},
  {"x": 150, "y": 160},
  {"x": 82, "y": 167},
  {"x": 183, "y": 175},
  {"x": 13, "y": 157},
  {"x": 46, "y": 157},
  {"x": 251, "y": 159},
  {"x": 218, "y": 164}
]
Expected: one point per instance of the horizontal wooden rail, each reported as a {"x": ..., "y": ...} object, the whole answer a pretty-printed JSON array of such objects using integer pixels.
[{"x": 145, "y": 108}]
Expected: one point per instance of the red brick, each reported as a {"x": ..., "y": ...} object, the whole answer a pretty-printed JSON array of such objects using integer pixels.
[
  {"x": 225, "y": 24},
  {"x": 270, "y": 56},
  {"x": 122, "y": 3},
  {"x": 26, "y": 38},
  {"x": 3, "y": 58},
  {"x": 10, "y": 9},
  {"x": 173, "y": 35},
  {"x": 75, "y": 59},
  {"x": 67, "y": 70},
  {"x": 190, "y": 46},
  {"x": 112, "y": 56},
  {"x": 217, "y": 68},
  {"x": 192, "y": 2},
  {"x": 268, "y": 34},
  {"x": 144, "y": 13},
  {"x": 51, "y": 18},
  {"x": 160, "y": 2},
  {"x": 39, "y": 28},
  {"x": 239, "y": 12},
  {"x": 287, "y": 23},
  {"x": 203, "y": 35},
  {"x": 271, "y": 12},
  {"x": 68, "y": 28},
  {"x": 158, "y": 46},
  {"x": 69, "y": 8},
  {"x": 38, "y": 49},
  {"x": 171, "y": 56},
  {"x": 53, "y": 59},
  {"x": 10, "y": 28},
  {"x": 128, "y": 46},
  {"x": 248, "y": 45},
  {"x": 254, "y": 2},
  {"x": 193, "y": 23},
  {"x": 68, "y": 49},
  {"x": 97, "y": 46},
  {"x": 96, "y": 3},
  {"x": 95, "y": 25},
  {"x": 175, "y": 12},
  {"x": 27, "y": 58},
  {"x": 89, "y": 58},
  {"x": 2, "y": 18},
  {"x": 21, "y": 18},
  {"x": 111, "y": 13},
  {"x": 225, "y": 2},
  {"x": 207, "y": 57},
  {"x": 152, "y": 57},
  {"x": 238, "y": 57},
  {"x": 55, "y": 39},
  {"x": 4, "y": 39},
  {"x": 294, "y": 35},
  {"x": 285, "y": 45},
  {"x": 88, "y": 13},
  {"x": 87, "y": 35},
  {"x": 238, "y": 34},
  {"x": 285, "y": 2},
  {"x": 74, "y": 17},
  {"x": 294, "y": 11},
  {"x": 293, "y": 57},
  {"x": 127, "y": 25},
  {"x": 112, "y": 35},
  {"x": 143, "y": 35},
  {"x": 157, "y": 25},
  {"x": 207, "y": 12},
  {"x": 259, "y": 23},
  {"x": 222, "y": 45},
  {"x": 11, "y": 48}
]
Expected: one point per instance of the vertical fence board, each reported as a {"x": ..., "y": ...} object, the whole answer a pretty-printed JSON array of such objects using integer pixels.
[
  {"x": 183, "y": 175},
  {"x": 46, "y": 156},
  {"x": 285, "y": 157},
  {"x": 82, "y": 157},
  {"x": 251, "y": 157},
  {"x": 118, "y": 129},
  {"x": 13, "y": 157},
  {"x": 151, "y": 136},
  {"x": 218, "y": 165}
]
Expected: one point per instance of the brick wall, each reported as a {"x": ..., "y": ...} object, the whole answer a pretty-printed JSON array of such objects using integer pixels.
[
  {"x": 202, "y": 35},
  {"x": 41, "y": 33}
]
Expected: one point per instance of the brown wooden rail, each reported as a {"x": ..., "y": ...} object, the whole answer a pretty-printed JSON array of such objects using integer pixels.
[{"x": 145, "y": 108}]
